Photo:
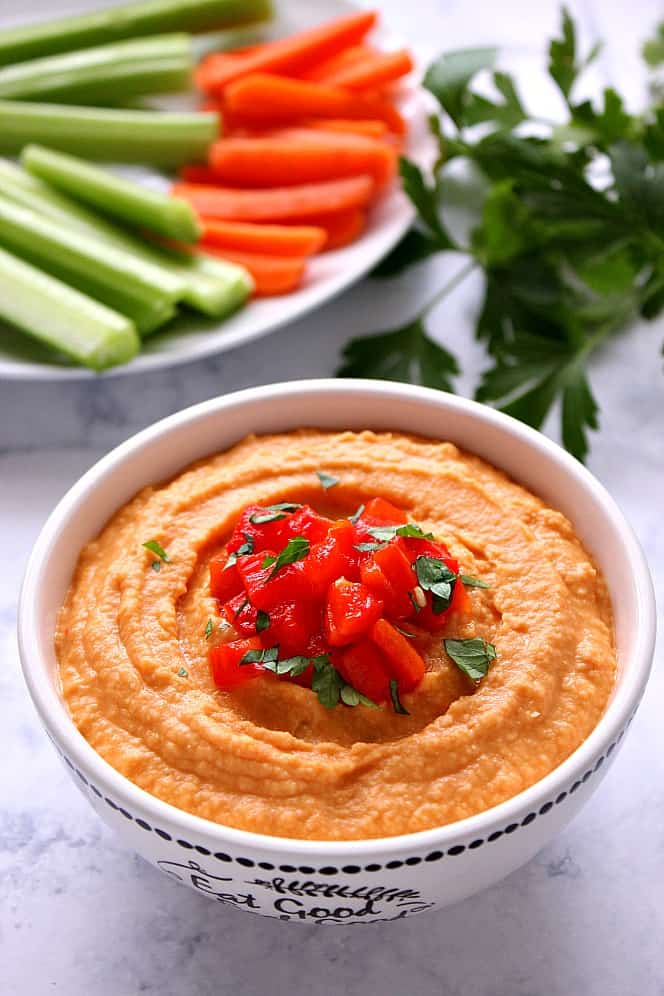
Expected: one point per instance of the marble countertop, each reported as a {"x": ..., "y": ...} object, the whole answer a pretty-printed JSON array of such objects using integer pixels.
[{"x": 82, "y": 917}]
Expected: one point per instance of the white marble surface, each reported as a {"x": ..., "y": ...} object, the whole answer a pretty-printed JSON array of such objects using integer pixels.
[{"x": 81, "y": 917}]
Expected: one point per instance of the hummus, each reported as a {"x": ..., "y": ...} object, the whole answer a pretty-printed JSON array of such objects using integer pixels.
[{"x": 268, "y": 756}]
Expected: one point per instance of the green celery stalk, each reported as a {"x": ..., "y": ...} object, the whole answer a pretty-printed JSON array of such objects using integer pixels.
[
  {"x": 62, "y": 317},
  {"x": 105, "y": 73},
  {"x": 110, "y": 194},
  {"x": 131, "y": 20},
  {"x": 160, "y": 138},
  {"x": 25, "y": 232},
  {"x": 213, "y": 286}
]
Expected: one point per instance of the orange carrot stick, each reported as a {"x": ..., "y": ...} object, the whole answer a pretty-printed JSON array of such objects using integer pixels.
[
  {"x": 373, "y": 71},
  {"x": 272, "y": 274},
  {"x": 299, "y": 157},
  {"x": 267, "y": 99},
  {"x": 348, "y": 57},
  {"x": 370, "y": 129},
  {"x": 271, "y": 240},
  {"x": 297, "y": 52},
  {"x": 278, "y": 203}
]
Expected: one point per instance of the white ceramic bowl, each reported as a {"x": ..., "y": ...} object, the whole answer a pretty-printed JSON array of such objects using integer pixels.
[{"x": 356, "y": 881}]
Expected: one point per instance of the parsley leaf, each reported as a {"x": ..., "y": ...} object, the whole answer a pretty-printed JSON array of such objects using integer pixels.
[
  {"x": 368, "y": 547},
  {"x": 449, "y": 76},
  {"x": 327, "y": 480},
  {"x": 242, "y": 551},
  {"x": 564, "y": 68},
  {"x": 273, "y": 513},
  {"x": 158, "y": 550},
  {"x": 327, "y": 683},
  {"x": 570, "y": 251},
  {"x": 356, "y": 514},
  {"x": 396, "y": 701},
  {"x": 404, "y": 354},
  {"x": 386, "y": 533},
  {"x": 182, "y": 672},
  {"x": 470, "y": 582},
  {"x": 472, "y": 656},
  {"x": 351, "y": 697},
  {"x": 296, "y": 549},
  {"x": 262, "y": 621},
  {"x": 209, "y": 629},
  {"x": 267, "y": 656},
  {"x": 435, "y": 576}
]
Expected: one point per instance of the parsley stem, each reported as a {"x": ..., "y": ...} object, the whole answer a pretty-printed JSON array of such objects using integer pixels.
[{"x": 451, "y": 285}]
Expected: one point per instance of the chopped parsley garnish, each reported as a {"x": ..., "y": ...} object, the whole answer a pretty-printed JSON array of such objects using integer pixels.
[
  {"x": 268, "y": 560},
  {"x": 368, "y": 547},
  {"x": 356, "y": 514},
  {"x": 396, "y": 701},
  {"x": 158, "y": 551},
  {"x": 386, "y": 533},
  {"x": 326, "y": 480},
  {"x": 471, "y": 582},
  {"x": 209, "y": 629},
  {"x": 242, "y": 551},
  {"x": 264, "y": 657},
  {"x": 242, "y": 608},
  {"x": 273, "y": 513},
  {"x": 326, "y": 681},
  {"x": 472, "y": 656},
  {"x": 182, "y": 672},
  {"x": 262, "y": 621},
  {"x": 296, "y": 549},
  {"x": 435, "y": 576}
]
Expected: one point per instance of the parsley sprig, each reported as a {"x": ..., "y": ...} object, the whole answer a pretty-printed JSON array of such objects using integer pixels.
[
  {"x": 326, "y": 681},
  {"x": 567, "y": 261}
]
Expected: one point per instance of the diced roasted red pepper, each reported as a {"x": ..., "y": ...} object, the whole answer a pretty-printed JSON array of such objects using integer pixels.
[
  {"x": 241, "y": 614},
  {"x": 361, "y": 666},
  {"x": 333, "y": 557},
  {"x": 274, "y": 534},
  {"x": 396, "y": 567},
  {"x": 401, "y": 658},
  {"x": 350, "y": 611},
  {"x": 384, "y": 513},
  {"x": 227, "y": 672},
  {"x": 292, "y": 625},
  {"x": 225, "y": 581},
  {"x": 397, "y": 603},
  {"x": 288, "y": 584}
]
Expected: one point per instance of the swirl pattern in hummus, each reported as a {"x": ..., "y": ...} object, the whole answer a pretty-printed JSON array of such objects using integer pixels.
[{"x": 268, "y": 757}]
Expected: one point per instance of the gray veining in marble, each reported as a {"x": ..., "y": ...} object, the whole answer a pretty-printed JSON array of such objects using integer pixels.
[{"x": 80, "y": 916}]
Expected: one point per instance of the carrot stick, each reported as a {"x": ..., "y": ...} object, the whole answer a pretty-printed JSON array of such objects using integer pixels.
[
  {"x": 271, "y": 274},
  {"x": 348, "y": 57},
  {"x": 370, "y": 129},
  {"x": 299, "y": 157},
  {"x": 278, "y": 203},
  {"x": 271, "y": 240},
  {"x": 267, "y": 99},
  {"x": 297, "y": 52},
  {"x": 372, "y": 72},
  {"x": 342, "y": 228}
]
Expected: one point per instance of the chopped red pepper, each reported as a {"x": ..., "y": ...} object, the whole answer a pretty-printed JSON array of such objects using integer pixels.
[
  {"x": 351, "y": 610},
  {"x": 362, "y": 667},
  {"x": 401, "y": 658},
  {"x": 378, "y": 511},
  {"x": 329, "y": 589},
  {"x": 292, "y": 624},
  {"x": 397, "y": 603},
  {"x": 225, "y": 582},
  {"x": 227, "y": 672},
  {"x": 242, "y": 614}
]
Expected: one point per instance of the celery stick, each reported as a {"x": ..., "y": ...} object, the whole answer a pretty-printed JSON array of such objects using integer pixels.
[
  {"x": 132, "y": 20},
  {"x": 159, "y": 138},
  {"x": 214, "y": 287},
  {"x": 62, "y": 317},
  {"x": 25, "y": 232},
  {"x": 113, "y": 195},
  {"x": 116, "y": 71}
]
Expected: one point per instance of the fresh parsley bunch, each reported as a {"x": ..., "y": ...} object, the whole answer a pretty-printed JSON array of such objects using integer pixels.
[{"x": 567, "y": 260}]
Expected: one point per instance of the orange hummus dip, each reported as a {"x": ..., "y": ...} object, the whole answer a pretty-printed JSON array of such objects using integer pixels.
[{"x": 267, "y": 756}]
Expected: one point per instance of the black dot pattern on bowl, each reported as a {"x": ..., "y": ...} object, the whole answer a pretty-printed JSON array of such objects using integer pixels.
[{"x": 453, "y": 851}]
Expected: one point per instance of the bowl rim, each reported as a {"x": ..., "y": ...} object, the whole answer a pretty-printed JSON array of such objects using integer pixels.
[{"x": 60, "y": 727}]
